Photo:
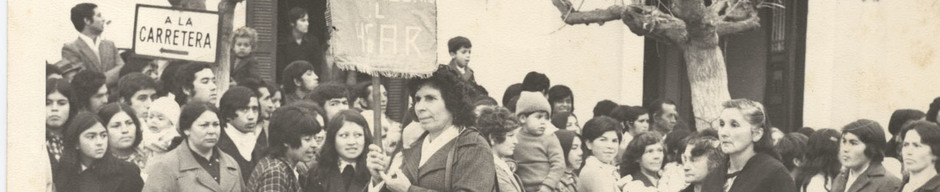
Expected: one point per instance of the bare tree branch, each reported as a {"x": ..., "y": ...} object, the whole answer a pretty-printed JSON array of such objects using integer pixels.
[
  {"x": 571, "y": 16},
  {"x": 738, "y": 17},
  {"x": 649, "y": 21}
]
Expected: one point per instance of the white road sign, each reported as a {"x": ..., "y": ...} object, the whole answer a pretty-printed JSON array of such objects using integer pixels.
[{"x": 176, "y": 34}]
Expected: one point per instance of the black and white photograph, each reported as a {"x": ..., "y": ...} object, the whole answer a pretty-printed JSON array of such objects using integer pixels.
[{"x": 474, "y": 95}]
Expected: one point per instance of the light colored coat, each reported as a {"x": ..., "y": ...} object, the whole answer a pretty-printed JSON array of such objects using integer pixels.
[
  {"x": 78, "y": 55},
  {"x": 178, "y": 170}
]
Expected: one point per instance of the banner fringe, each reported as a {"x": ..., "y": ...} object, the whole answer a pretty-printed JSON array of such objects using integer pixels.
[{"x": 392, "y": 74}]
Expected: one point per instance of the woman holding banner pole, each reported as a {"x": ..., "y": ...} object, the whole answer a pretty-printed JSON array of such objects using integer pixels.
[{"x": 451, "y": 155}]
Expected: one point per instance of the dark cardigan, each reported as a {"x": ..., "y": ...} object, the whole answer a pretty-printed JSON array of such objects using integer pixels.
[
  {"x": 108, "y": 174},
  {"x": 932, "y": 185},
  {"x": 763, "y": 173},
  {"x": 329, "y": 179}
]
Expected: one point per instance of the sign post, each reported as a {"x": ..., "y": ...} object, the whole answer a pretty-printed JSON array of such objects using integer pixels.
[{"x": 179, "y": 34}]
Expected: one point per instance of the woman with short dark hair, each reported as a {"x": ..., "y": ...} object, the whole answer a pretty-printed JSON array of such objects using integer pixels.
[
  {"x": 921, "y": 150},
  {"x": 194, "y": 162},
  {"x": 753, "y": 163},
  {"x": 85, "y": 164},
  {"x": 446, "y": 116},
  {"x": 900, "y": 118},
  {"x": 601, "y": 137},
  {"x": 861, "y": 151},
  {"x": 342, "y": 161},
  {"x": 643, "y": 159}
]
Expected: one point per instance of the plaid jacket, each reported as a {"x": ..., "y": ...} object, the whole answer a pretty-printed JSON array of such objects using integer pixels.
[{"x": 273, "y": 175}]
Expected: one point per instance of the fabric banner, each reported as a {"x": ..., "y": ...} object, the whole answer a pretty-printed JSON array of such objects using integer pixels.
[{"x": 394, "y": 38}]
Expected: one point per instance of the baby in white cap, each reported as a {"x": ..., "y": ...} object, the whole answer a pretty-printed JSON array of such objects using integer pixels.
[{"x": 162, "y": 125}]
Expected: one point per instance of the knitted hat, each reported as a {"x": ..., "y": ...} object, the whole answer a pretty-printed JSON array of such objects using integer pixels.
[
  {"x": 168, "y": 107},
  {"x": 532, "y": 102}
]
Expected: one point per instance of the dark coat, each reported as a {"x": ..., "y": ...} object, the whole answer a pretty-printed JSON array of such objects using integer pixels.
[
  {"x": 763, "y": 173},
  {"x": 932, "y": 185},
  {"x": 107, "y": 175},
  {"x": 245, "y": 68},
  {"x": 308, "y": 50},
  {"x": 329, "y": 179},
  {"x": 474, "y": 170},
  {"x": 228, "y": 146},
  {"x": 467, "y": 75},
  {"x": 873, "y": 179}
]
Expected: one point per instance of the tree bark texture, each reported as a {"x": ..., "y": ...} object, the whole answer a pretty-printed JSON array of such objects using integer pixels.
[
  {"x": 691, "y": 26},
  {"x": 224, "y": 60}
]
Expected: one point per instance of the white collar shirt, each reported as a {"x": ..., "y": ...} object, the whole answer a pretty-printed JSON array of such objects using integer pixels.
[
  {"x": 245, "y": 142},
  {"x": 429, "y": 147},
  {"x": 343, "y": 164},
  {"x": 92, "y": 44}
]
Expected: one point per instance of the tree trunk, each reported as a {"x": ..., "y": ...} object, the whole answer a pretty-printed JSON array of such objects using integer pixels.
[
  {"x": 708, "y": 79},
  {"x": 224, "y": 61}
]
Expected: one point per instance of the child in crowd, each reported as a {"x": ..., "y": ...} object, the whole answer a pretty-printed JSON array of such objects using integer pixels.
[
  {"x": 244, "y": 40},
  {"x": 459, "y": 49},
  {"x": 162, "y": 123},
  {"x": 539, "y": 156}
]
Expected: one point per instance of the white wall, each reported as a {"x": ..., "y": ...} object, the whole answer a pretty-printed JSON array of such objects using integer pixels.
[
  {"x": 867, "y": 59},
  {"x": 512, "y": 38}
]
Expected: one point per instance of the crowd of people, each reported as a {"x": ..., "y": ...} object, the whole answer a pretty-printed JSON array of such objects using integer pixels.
[{"x": 155, "y": 125}]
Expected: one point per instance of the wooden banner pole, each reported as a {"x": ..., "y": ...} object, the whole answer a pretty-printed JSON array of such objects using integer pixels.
[{"x": 377, "y": 110}]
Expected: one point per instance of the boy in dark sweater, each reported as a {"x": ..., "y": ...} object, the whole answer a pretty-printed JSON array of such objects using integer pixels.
[{"x": 539, "y": 156}]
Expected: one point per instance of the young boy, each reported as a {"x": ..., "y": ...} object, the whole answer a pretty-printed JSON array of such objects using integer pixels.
[
  {"x": 245, "y": 66},
  {"x": 539, "y": 157},
  {"x": 459, "y": 49}
]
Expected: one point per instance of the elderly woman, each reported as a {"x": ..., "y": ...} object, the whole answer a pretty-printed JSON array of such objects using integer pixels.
[
  {"x": 921, "y": 149},
  {"x": 194, "y": 163},
  {"x": 452, "y": 155},
  {"x": 701, "y": 159},
  {"x": 86, "y": 166},
  {"x": 599, "y": 173},
  {"x": 745, "y": 137}
]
